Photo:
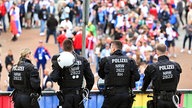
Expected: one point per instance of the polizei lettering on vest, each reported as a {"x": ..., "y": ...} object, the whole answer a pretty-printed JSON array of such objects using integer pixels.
[
  {"x": 166, "y": 67},
  {"x": 18, "y": 68},
  {"x": 119, "y": 60}
]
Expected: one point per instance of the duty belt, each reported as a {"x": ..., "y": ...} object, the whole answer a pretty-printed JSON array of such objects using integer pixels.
[
  {"x": 164, "y": 95},
  {"x": 71, "y": 91},
  {"x": 118, "y": 89},
  {"x": 27, "y": 92}
]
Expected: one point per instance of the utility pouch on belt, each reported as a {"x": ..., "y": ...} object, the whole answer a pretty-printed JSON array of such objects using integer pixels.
[
  {"x": 165, "y": 96},
  {"x": 60, "y": 97},
  {"x": 150, "y": 104},
  {"x": 34, "y": 98},
  {"x": 108, "y": 91}
]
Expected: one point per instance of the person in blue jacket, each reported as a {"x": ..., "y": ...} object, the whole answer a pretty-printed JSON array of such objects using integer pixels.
[{"x": 41, "y": 55}]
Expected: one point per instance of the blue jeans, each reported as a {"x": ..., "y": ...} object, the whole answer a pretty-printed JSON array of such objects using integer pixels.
[
  {"x": 60, "y": 49},
  {"x": 42, "y": 29},
  {"x": 78, "y": 51},
  {"x": 49, "y": 32},
  {"x": 4, "y": 24},
  {"x": 77, "y": 21}
]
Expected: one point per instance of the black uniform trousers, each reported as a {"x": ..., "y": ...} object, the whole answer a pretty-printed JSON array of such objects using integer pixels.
[
  {"x": 165, "y": 104},
  {"x": 164, "y": 100},
  {"x": 23, "y": 100},
  {"x": 72, "y": 100},
  {"x": 118, "y": 100}
]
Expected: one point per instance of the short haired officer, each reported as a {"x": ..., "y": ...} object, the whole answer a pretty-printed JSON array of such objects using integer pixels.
[
  {"x": 69, "y": 69},
  {"x": 120, "y": 74},
  {"x": 164, "y": 75}
]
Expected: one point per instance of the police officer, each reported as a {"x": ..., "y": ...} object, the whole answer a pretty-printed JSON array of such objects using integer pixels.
[
  {"x": 69, "y": 76},
  {"x": 120, "y": 74},
  {"x": 24, "y": 78},
  {"x": 165, "y": 75}
]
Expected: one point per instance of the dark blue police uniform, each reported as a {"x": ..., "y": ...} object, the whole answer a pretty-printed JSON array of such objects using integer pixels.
[
  {"x": 165, "y": 75},
  {"x": 120, "y": 74},
  {"x": 70, "y": 81},
  {"x": 24, "y": 78}
]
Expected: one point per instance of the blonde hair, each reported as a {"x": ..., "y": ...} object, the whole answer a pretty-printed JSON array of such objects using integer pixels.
[{"x": 24, "y": 53}]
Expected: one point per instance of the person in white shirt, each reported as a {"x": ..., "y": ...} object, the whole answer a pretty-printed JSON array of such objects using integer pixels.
[
  {"x": 63, "y": 12},
  {"x": 51, "y": 8},
  {"x": 105, "y": 52},
  {"x": 133, "y": 2},
  {"x": 8, "y": 5},
  {"x": 44, "y": 2},
  {"x": 144, "y": 49},
  {"x": 170, "y": 39},
  {"x": 67, "y": 24},
  {"x": 144, "y": 9},
  {"x": 162, "y": 39},
  {"x": 110, "y": 10}
]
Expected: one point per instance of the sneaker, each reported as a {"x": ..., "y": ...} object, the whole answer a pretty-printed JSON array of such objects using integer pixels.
[
  {"x": 42, "y": 34},
  {"x": 18, "y": 35},
  {"x": 189, "y": 52},
  {"x": 14, "y": 38},
  {"x": 182, "y": 50}
]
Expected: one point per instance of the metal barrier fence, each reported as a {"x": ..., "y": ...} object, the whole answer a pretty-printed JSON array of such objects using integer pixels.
[{"x": 49, "y": 99}]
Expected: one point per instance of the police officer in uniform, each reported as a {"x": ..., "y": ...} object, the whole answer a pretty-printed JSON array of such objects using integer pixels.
[
  {"x": 24, "y": 78},
  {"x": 70, "y": 76},
  {"x": 120, "y": 74},
  {"x": 165, "y": 75}
]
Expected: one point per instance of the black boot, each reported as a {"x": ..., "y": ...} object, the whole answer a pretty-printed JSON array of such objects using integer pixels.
[{"x": 14, "y": 38}]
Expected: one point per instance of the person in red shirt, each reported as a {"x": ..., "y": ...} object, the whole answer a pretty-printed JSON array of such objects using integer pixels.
[
  {"x": 77, "y": 42},
  {"x": 153, "y": 11},
  {"x": 60, "y": 40},
  {"x": 2, "y": 14}
]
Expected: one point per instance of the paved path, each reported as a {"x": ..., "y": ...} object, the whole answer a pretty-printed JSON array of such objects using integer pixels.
[{"x": 30, "y": 38}]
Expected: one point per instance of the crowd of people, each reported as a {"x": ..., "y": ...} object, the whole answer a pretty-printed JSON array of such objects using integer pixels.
[
  {"x": 138, "y": 24},
  {"x": 125, "y": 40}
]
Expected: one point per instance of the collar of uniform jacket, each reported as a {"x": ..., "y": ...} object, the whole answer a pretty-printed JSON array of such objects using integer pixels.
[
  {"x": 26, "y": 60},
  {"x": 161, "y": 58},
  {"x": 117, "y": 52}
]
